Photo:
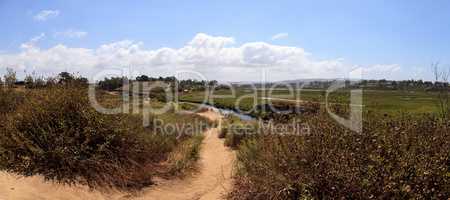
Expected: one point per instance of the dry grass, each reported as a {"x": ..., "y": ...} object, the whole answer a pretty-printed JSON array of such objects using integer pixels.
[
  {"x": 184, "y": 157},
  {"x": 54, "y": 132},
  {"x": 401, "y": 157},
  {"x": 223, "y": 132}
]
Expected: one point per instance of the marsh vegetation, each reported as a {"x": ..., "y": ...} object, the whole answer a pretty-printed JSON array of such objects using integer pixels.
[{"x": 49, "y": 128}]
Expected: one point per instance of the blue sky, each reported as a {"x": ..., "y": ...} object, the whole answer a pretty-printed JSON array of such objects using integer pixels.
[{"x": 402, "y": 36}]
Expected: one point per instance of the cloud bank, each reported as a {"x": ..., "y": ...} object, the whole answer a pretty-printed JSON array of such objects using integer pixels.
[{"x": 215, "y": 57}]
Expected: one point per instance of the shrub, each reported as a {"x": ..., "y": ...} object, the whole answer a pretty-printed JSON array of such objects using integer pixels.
[
  {"x": 223, "y": 132},
  {"x": 237, "y": 132},
  {"x": 9, "y": 100},
  {"x": 55, "y": 133},
  {"x": 184, "y": 156},
  {"x": 394, "y": 158},
  {"x": 10, "y": 78},
  {"x": 188, "y": 106}
]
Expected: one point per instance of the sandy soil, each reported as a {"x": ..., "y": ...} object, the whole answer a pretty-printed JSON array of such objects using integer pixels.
[{"x": 212, "y": 181}]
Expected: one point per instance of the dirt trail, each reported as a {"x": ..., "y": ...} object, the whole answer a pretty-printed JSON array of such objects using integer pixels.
[
  {"x": 212, "y": 181},
  {"x": 35, "y": 188}
]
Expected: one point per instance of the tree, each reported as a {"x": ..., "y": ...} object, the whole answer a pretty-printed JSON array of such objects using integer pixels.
[
  {"x": 65, "y": 78},
  {"x": 112, "y": 83},
  {"x": 394, "y": 85},
  {"x": 428, "y": 85},
  {"x": 143, "y": 78},
  {"x": 212, "y": 83}
]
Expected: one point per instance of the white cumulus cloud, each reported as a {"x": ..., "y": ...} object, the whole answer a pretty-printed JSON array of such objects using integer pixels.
[
  {"x": 43, "y": 15},
  {"x": 202, "y": 40},
  {"x": 215, "y": 57}
]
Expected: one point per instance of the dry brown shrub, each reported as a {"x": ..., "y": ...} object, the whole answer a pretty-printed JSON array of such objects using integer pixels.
[{"x": 402, "y": 157}]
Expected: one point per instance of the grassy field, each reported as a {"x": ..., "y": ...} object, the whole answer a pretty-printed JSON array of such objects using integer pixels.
[{"x": 380, "y": 101}]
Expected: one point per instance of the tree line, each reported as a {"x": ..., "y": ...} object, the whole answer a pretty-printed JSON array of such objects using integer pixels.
[
  {"x": 32, "y": 81},
  {"x": 113, "y": 83}
]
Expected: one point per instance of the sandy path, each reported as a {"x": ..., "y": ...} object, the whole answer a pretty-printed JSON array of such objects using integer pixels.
[
  {"x": 211, "y": 182},
  {"x": 35, "y": 188},
  {"x": 214, "y": 178}
]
